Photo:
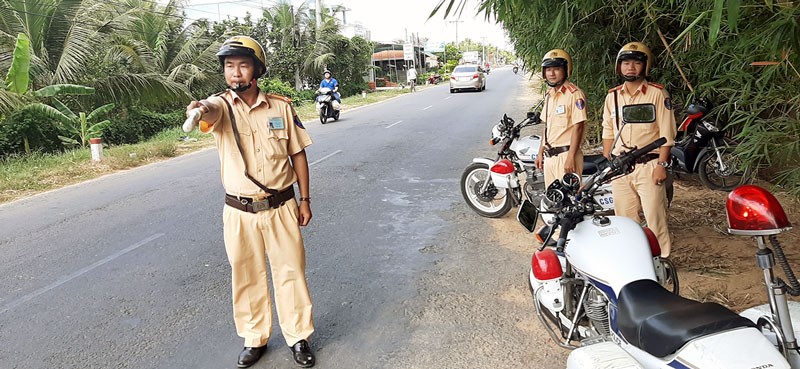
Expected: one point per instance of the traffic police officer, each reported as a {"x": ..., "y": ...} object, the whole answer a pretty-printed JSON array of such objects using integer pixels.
[
  {"x": 644, "y": 188},
  {"x": 261, "y": 145},
  {"x": 564, "y": 115}
]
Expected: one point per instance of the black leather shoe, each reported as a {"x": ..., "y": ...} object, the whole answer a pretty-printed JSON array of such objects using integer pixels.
[
  {"x": 301, "y": 352},
  {"x": 250, "y": 355}
]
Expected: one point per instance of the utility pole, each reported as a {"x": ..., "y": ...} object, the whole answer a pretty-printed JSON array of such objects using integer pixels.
[
  {"x": 456, "y": 22},
  {"x": 483, "y": 44},
  {"x": 319, "y": 14}
]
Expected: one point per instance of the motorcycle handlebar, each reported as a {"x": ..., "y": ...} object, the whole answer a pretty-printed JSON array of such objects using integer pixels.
[{"x": 648, "y": 148}]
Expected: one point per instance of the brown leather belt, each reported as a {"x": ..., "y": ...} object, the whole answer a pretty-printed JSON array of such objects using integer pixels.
[
  {"x": 646, "y": 158},
  {"x": 254, "y": 206},
  {"x": 553, "y": 151}
]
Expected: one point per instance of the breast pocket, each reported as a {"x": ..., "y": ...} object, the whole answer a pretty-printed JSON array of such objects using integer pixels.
[
  {"x": 558, "y": 124},
  {"x": 277, "y": 144}
]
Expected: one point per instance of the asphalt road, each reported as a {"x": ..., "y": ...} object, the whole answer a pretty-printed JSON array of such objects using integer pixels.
[{"x": 129, "y": 270}]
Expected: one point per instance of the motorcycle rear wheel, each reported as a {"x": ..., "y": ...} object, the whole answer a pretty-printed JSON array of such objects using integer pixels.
[
  {"x": 723, "y": 176},
  {"x": 336, "y": 115},
  {"x": 492, "y": 203}
]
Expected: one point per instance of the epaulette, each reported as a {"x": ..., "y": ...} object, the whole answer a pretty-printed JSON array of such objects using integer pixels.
[
  {"x": 615, "y": 89},
  {"x": 656, "y": 85},
  {"x": 280, "y": 97},
  {"x": 572, "y": 88}
]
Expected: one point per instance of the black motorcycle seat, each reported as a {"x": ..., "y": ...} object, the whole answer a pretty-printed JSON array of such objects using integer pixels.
[
  {"x": 661, "y": 322},
  {"x": 591, "y": 163}
]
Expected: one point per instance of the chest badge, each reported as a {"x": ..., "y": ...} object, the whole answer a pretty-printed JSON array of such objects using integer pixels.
[
  {"x": 276, "y": 123},
  {"x": 560, "y": 109}
]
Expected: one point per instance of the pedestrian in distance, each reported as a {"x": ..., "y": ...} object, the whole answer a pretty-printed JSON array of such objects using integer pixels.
[
  {"x": 411, "y": 77},
  {"x": 261, "y": 144},
  {"x": 644, "y": 188},
  {"x": 564, "y": 115}
]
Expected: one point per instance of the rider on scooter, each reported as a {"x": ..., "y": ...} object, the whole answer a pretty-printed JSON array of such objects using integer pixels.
[
  {"x": 564, "y": 114},
  {"x": 331, "y": 83}
]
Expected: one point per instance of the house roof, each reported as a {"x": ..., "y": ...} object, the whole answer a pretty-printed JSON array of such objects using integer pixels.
[{"x": 388, "y": 55}]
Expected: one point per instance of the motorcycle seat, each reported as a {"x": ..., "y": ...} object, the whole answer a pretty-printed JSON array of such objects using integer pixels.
[
  {"x": 592, "y": 163},
  {"x": 661, "y": 322}
]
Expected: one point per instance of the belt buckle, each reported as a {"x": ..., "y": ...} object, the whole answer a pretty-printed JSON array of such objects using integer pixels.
[{"x": 259, "y": 206}]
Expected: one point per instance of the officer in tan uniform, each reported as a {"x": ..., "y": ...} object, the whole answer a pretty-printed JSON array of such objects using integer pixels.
[
  {"x": 261, "y": 145},
  {"x": 644, "y": 188},
  {"x": 564, "y": 114}
]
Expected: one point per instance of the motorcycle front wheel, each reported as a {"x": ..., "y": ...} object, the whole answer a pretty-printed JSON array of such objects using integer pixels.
[
  {"x": 323, "y": 114},
  {"x": 722, "y": 175},
  {"x": 491, "y": 203}
]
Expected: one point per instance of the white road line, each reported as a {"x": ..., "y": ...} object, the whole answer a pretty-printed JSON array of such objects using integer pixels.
[
  {"x": 65, "y": 279},
  {"x": 448, "y": 98},
  {"x": 428, "y": 107},
  {"x": 394, "y": 124},
  {"x": 325, "y": 157}
]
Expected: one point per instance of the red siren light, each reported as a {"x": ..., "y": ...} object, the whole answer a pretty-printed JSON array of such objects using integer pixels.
[
  {"x": 754, "y": 211},
  {"x": 545, "y": 265}
]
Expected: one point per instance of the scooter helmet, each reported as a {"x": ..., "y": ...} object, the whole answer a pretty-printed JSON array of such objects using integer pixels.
[
  {"x": 326, "y": 72},
  {"x": 243, "y": 46},
  {"x": 635, "y": 51},
  {"x": 557, "y": 58}
]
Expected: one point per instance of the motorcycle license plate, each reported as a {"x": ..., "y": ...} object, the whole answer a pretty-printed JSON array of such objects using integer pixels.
[{"x": 605, "y": 200}]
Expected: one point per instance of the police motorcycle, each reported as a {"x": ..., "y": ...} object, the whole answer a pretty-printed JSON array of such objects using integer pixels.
[
  {"x": 327, "y": 106},
  {"x": 701, "y": 147},
  {"x": 491, "y": 187},
  {"x": 603, "y": 291}
]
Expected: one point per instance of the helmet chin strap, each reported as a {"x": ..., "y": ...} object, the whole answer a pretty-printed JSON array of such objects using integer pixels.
[
  {"x": 559, "y": 83},
  {"x": 631, "y": 78}
]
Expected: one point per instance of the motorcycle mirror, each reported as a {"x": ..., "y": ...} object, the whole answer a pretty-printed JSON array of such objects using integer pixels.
[
  {"x": 639, "y": 113},
  {"x": 527, "y": 215}
]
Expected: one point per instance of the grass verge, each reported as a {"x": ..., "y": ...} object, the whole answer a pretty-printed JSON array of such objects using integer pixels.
[{"x": 22, "y": 176}]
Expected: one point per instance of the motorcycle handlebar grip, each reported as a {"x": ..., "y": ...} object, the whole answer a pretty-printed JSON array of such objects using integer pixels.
[
  {"x": 566, "y": 225},
  {"x": 191, "y": 121},
  {"x": 650, "y": 147}
]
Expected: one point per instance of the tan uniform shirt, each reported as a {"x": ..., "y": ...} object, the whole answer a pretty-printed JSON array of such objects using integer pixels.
[
  {"x": 565, "y": 106},
  {"x": 269, "y": 132},
  {"x": 639, "y": 134}
]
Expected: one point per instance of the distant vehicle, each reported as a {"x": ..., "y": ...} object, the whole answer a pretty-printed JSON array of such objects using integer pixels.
[
  {"x": 470, "y": 57},
  {"x": 468, "y": 77}
]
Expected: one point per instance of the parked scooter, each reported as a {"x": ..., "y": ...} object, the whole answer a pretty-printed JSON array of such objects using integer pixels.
[
  {"x": 701, "y": 147},
  {"x": 434, "y": 79},
  {"x": 604, "y": 291},
  {"x": 491, "y": 187},
  {"x": 327, "y": 106}
]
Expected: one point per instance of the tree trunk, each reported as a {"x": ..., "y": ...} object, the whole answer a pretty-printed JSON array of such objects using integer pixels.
[{"x": 298, "y": 84}]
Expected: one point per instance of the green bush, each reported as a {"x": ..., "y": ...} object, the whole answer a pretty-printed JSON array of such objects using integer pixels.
[
  {"x": 135, "y": 124},
  {"x": 41, "y": 133},
  {"x": 278, "y": 87}
]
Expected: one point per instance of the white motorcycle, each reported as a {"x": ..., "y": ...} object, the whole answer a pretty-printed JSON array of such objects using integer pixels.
[
  {"x": 491, "y": 187},
  {"x": 327, "y": 106},
  {"x": 601, "y": 289}
]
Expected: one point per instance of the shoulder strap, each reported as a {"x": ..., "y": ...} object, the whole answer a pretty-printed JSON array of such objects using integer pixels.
[
  {"x": 241, "y": 152},
  {"x": 616, "y": 110},
  {"x": 546, "y": 120}
]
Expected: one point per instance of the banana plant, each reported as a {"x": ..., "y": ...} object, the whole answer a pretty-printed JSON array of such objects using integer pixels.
[{"x": 79, "y": 127}]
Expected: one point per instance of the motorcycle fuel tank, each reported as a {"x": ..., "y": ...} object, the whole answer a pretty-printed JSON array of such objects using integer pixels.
[
  {"x": 612, "y": 252},
  {"x": 527, "y": 148}
]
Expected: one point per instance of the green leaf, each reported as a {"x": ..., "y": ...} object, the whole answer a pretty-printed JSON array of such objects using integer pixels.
[
  {"x": 99, "y": 111},
  {"x": 64, "y": 89},
  {"x": 50, "y": 112},
  {"x": 733, "y": 13},
  {"x": 19, "y": 74},
  {"x": 64, "y": 109},
  {"x": 716, "y": 21},
  {"x": 688, "y": 28}
]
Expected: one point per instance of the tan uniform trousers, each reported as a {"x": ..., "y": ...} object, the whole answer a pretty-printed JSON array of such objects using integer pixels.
[
  {"x": 249, "y": 240},
  {"x": 553, "y": 167},
  {"x": 639, "y": 187}
]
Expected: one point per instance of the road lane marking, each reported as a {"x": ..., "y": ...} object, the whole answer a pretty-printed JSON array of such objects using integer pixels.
[
  {"x": 65, "y": 279},
  {"x": 394, "y": 124},
  {"x": 429, "y": 106},
  {"x": 325, "y": 157},
  {"x": 448, "y": 98}
]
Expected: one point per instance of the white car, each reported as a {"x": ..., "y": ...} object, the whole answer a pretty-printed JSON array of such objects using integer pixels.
[{"x": 468, "y": 76}]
